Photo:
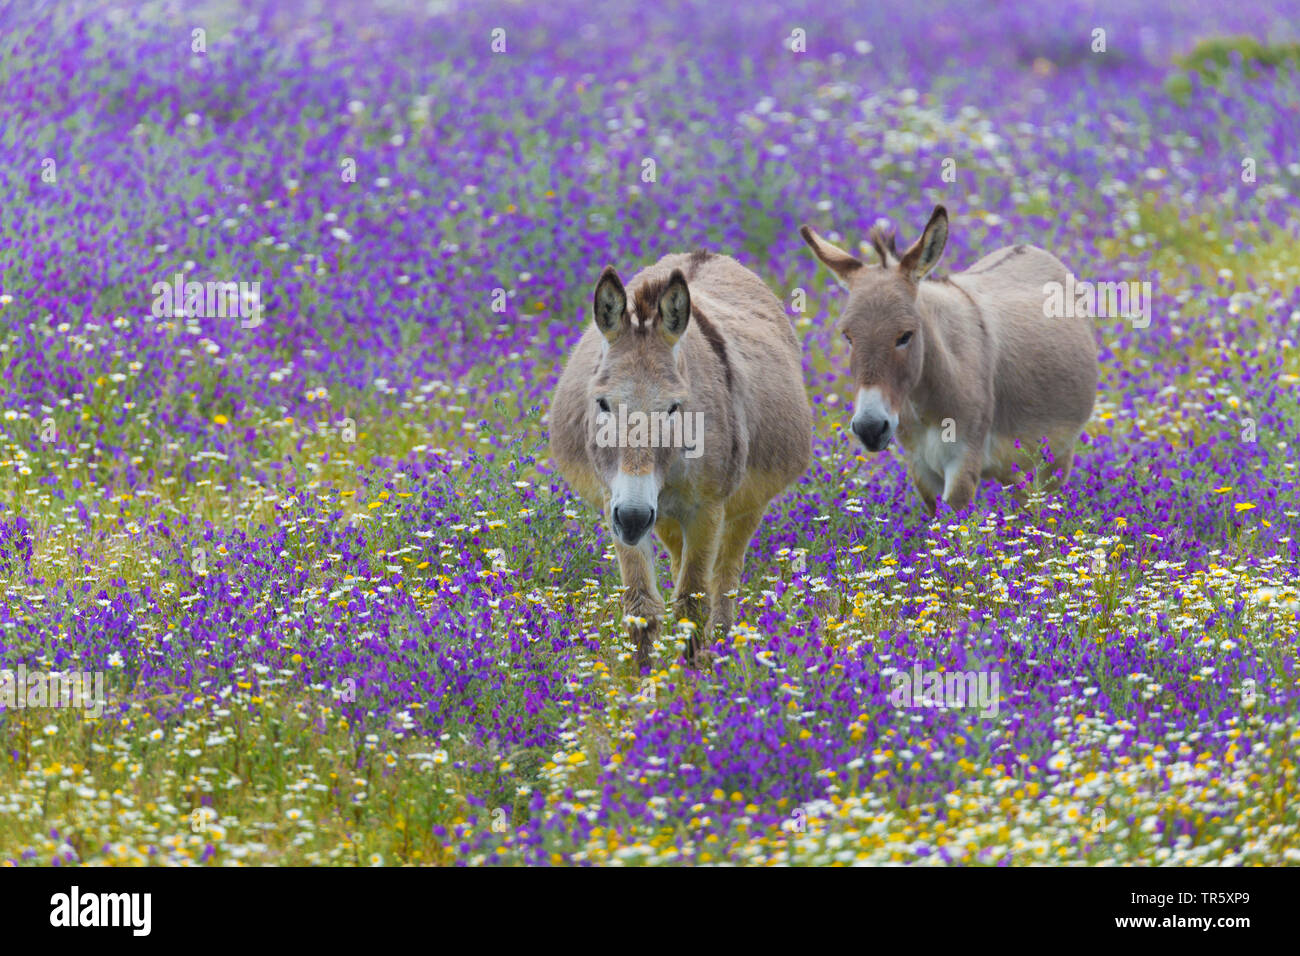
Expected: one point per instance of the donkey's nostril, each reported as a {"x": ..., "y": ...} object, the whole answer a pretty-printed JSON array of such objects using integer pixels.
[
  {"x": 872, "y": 432},
  {"x": 631, "y": 522}
]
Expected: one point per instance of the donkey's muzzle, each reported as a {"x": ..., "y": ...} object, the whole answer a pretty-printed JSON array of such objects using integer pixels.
[
  {"x": 874, "y": 433},
  {"x": 632, "y": 522}
]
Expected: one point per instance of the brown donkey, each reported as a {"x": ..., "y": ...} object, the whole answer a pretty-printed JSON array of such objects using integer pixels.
[
  {"x": 698, "y": 348},
  {"x": 963, "y": 368}
]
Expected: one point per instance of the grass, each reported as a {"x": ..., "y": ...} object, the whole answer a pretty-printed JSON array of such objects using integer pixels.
[{"x": 285, "y": 776}]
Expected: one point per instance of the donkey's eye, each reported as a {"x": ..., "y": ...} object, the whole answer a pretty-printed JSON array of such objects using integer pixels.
[
  {"x": 602, "y": 405},
  {"x": 903, "y": 339},
  {"x": 674, "y": 408}
]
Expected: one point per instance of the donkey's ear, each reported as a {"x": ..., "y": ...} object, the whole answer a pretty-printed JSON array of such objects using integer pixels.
[
  {"x": 610, "y": 305},
  {"x": 834, "y": 258},
  {"x": 925, "y": 252},
  {"x": 674, "y": 307}
]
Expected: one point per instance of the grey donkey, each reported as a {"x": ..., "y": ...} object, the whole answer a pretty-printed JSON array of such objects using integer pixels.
[
  {"x": 682, "y": 411},
  {"x": 968, "y": 371}
]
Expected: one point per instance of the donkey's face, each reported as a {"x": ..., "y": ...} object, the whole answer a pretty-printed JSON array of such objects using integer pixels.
[
  {"x": 882, "y": 325},
  {"x": 637, "y": 396},
  {"x": 886, "y": 352}
]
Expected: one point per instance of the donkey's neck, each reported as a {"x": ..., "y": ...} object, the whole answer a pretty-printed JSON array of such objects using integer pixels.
[{"x": 941, "y": 366}]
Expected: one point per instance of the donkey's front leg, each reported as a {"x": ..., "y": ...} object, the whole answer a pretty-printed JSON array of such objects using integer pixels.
[
  {"x": 702, "y": 537},
  {"x": 928, "y": 484},
  {"x": 961, "y": 477},
  {"x": 642, "y": 606},
  {"x": 730, "y": 564},
  {"x": 670, "y": 533}
]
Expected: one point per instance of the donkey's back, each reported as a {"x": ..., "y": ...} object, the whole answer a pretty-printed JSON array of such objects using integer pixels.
[{"x": 1045, "y": 367}]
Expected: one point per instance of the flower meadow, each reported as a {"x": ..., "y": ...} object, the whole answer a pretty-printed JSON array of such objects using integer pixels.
[{"x": 347, "y": 611}]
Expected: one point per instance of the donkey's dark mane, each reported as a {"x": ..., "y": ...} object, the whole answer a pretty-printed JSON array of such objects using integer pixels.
[
  {"x": 715, "y": 340},
  {"x": 697, "y": 259},
  {"x": 645, "y": 300},
  {"x": 884, "y": 242}
]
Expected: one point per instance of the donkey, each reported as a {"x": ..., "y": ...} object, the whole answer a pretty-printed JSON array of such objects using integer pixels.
[
  {"x": 968, "y": 371},
  {"x": 700, "y": 335}
]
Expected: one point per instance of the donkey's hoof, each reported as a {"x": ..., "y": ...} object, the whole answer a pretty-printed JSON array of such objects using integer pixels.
[
  {"x": 643, "y": 636},
  {"x": 703, "y": 663},
  {"x": 694, "y": 608},
  {"x": 697, "y": 657},
  {"x": 644, "y": 660},
  {"x": 720, "y": 625}
]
